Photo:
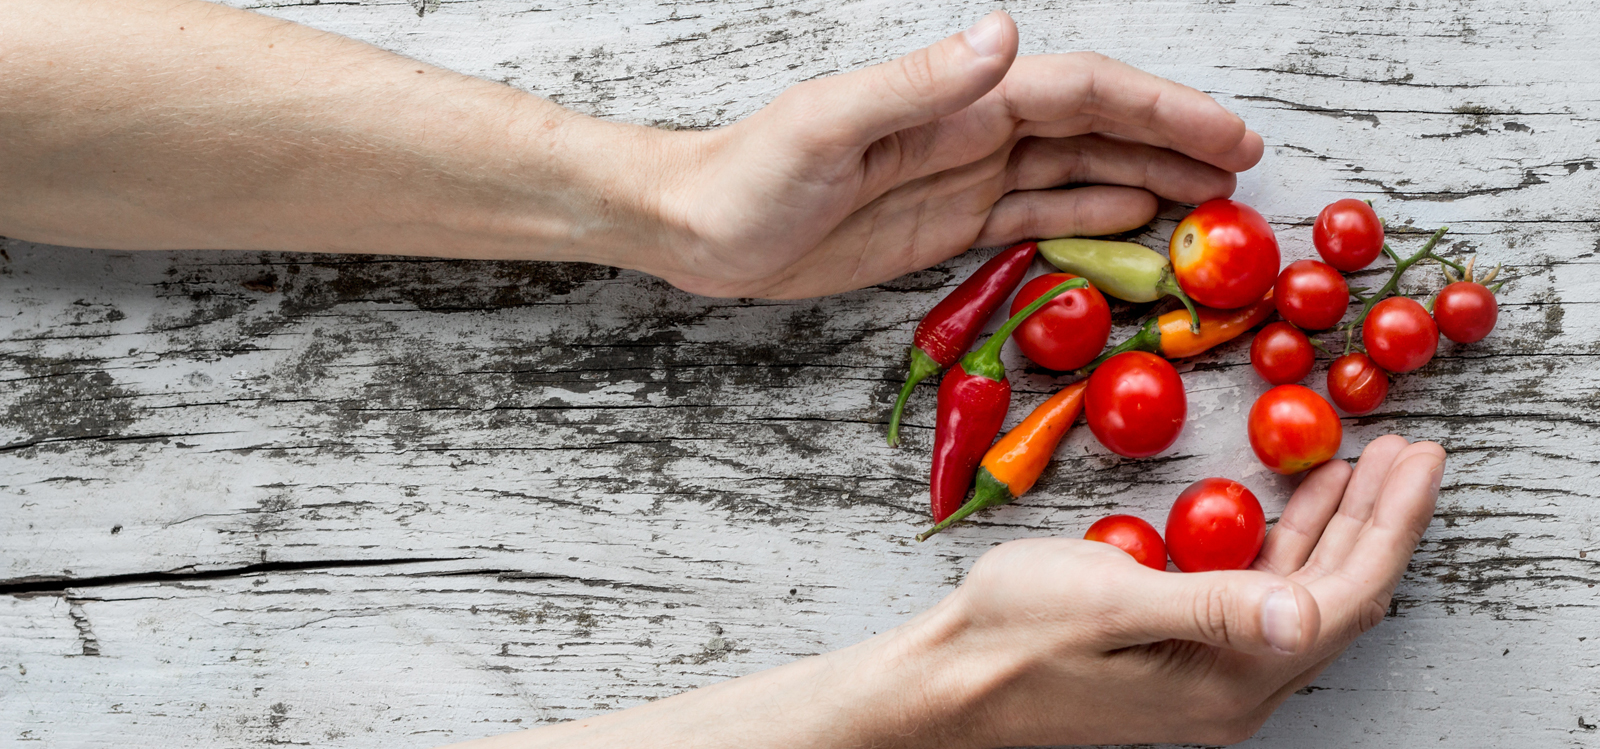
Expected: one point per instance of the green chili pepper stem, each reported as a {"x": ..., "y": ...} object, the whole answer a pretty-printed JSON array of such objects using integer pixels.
[
  {"x": 922, "y": 367},
  {"x": 988, "y": 492},
  {"x": 1400, "y": 267},
  {"x": 1147, "y": 339},
  {"x": 1169, "y": 285},
  {"x": 985, "y": 362}
]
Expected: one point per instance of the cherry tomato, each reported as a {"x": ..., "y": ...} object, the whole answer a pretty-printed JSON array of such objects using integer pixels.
[
  {"x": 1282, "y": 354},
  {"x": 1466, "y": 311},
  {"x": 1292, "y": 429},
  {"x": 1068, "y": 332},
  {"x": 1132, "y": 535},
  {"x": 1216, "y": 524},
  {"x": 1356, "y": 383},
  {"x": 1311, "y": 294},
  {"x": 1400, "y": 335},
  {"x": 1135, "y": 404},
  {"x": 1348, "y": 234},
  {"x": 1224, "y": 254}
]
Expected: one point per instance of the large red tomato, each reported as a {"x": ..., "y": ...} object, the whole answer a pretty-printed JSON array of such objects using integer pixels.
[
  {"x": 1466, "y": 311},
  {"x": 1292, "y": 429},
  {"x": 1311, "y": 294},
  {"x": 1066, "y": 333},
  {"x": 1356, "y": 384},
  {"x": 1282, "y": 354},
  {"x": 1348, "y": 234},
  {"x": 1135, "y": 404},
  {"x": 1216, "y": 524},
  {"x": 1132, "y": 535},
  {"x": 1224, "y": 254},
  {"x": 1399, "y": 334}
]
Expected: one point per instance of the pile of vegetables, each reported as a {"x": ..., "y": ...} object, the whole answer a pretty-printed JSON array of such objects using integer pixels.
[{"x": 1223, "y": 265}]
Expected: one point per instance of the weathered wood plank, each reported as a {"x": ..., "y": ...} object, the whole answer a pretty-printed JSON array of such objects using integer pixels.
[{"x": 626, "y": 491}]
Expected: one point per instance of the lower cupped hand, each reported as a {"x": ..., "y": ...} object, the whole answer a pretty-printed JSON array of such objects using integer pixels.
[{"x": 1053, "y": 641}]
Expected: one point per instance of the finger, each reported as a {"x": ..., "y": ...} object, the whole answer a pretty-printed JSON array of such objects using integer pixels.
[
  {"x": 1360, "y": 495},
  {"x": 1251, "y": 612},
  {"x": 1373, "y": 568},
  {"x": 1109, "y": 96},
  {"x": 1038, "y": 163},
  {"x": 1294, "y": 536},
  {"x": 1085, "y": 211},
  {"x": 857, "y": 108},
  {"x": 1357, "y": 594}
]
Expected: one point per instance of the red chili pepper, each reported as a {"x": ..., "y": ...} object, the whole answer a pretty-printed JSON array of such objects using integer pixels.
[
  {"x": 973, "y": 400},
  {"x": 953, "y": 324}
]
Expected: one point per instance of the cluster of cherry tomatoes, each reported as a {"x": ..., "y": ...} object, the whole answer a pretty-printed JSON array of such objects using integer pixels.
[{"x": 1225, "y": 256}]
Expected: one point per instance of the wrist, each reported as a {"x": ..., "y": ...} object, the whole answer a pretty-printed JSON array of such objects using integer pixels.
[{"x": 925, "y": 683}]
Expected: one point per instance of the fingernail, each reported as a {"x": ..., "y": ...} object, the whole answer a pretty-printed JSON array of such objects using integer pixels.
[
  {"x": 1280, "y": 621},
  {"x": 986, "y": 36},
  {"x": 1436, "y": 480}
]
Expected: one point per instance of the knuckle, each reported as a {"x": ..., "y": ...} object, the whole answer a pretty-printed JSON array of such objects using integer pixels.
[
  {"x": 919, "y": 74},
  {"x": 1211, "y": 615}
]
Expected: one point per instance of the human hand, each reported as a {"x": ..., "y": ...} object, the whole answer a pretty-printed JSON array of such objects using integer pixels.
[
  {"x": 1054, "y": 641},
  {"x": 855, "y": 179}
]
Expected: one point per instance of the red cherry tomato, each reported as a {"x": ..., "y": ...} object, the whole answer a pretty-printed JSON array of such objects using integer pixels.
[
  {"x": 1132, "y": 535},
  {"x": 1356, "y": 383},
  {"x": 1216, "y": 524},
  {"x": 1069, "y": 331},
  {"x": 1348, "y": 234},
  {"x": 1224, "y": 254},
  {"x": 1135, "y": 404},
  {"x": 1292, "y": 429},
  {"x": 1400, "y": 335},
  {"x": 1466, "y": 311},
  {"x": 1311, "y": 294},
  {"x": 1282, "y": 354}
]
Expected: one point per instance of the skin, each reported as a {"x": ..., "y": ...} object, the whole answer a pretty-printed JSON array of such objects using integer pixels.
[{"x": 164, "y": 124}]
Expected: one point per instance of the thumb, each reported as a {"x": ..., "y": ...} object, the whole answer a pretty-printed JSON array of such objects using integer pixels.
[
  {"x": 1251, "y": 612},
  {"x": 927, "y": 84}
]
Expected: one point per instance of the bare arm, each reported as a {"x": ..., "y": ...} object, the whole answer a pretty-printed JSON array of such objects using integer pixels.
[
  {"x": 153, "y": 124},
  {"x": 182, "y": 124}
]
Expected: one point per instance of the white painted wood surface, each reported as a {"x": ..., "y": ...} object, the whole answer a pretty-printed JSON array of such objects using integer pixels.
[{"x": 256, "y": 498}]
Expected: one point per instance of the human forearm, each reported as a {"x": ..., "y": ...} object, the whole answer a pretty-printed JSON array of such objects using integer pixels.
[
  {"x": 908, "y": 687},
  {"x": 146, "y": 124}
]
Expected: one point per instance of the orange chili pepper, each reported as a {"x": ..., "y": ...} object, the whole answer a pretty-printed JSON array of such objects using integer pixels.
[
  {"x": 1169, "y": 335},
  {"x": 1014, "y": 463}
]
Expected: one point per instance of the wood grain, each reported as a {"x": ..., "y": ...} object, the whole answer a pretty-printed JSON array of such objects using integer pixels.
[{"x": 255, "y": 498}]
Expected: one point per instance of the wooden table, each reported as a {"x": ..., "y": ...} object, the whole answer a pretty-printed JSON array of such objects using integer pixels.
[{"x": 362, "y": 501}]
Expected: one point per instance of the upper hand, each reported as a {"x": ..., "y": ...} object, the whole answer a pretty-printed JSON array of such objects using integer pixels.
[
  {"x": 855, "y": 179},
  {"x": 1067, "y": 642}
]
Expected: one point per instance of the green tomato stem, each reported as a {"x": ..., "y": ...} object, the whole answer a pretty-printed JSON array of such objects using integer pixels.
[{"x": 1400, "y": 267}]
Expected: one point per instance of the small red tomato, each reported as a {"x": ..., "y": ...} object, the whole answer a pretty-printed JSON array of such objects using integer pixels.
[
  {"x": 1400, "y": 335},
  {"x": 1311, "y": 294},
  {"x": 1348, "y": 234},
  {"x": 1135, "y": 404},
  {"x": 1282, "y": 354},
  {"x": 1356, "y": 383},
  {"x": 1466, "y": 311},
  {"x": 1216, "y": 524},
  {"x": 1069, "y": 331},
  {"x": 1224, "y": 254},
  {"x": 1132, "y": 535},
  {"x": 1292, "y": 429}
]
